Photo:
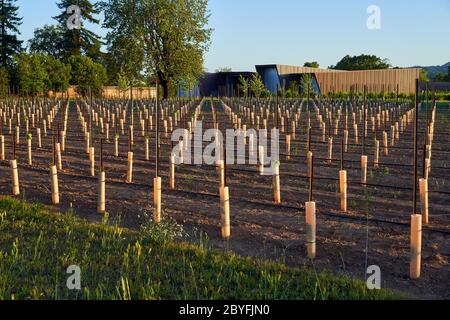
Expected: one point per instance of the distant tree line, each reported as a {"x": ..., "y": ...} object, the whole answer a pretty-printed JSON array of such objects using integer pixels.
[
  {"x": 441, "y": 77},
  {"x": 361, "y": 62}
]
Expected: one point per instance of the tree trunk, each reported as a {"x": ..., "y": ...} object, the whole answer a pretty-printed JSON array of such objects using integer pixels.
[
  {"x": 164, "y": 84},
  {"x": 165, "y": 87}
]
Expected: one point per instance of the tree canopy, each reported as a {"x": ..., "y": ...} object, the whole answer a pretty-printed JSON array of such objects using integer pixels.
[
  {"x": 31, "y": 73},
  {"x": 37, "y": 73},
  {"x": 362, "y": 62},
  {"x": 257, "y": 85},
  {"x": 87, "y": 74},
  {"x": 124, "y": 57},
  {"x": 77, "y": 41},
  {"x": 243, "y": 85},
  {"x": 4, "y": 81},
  {"x": 313, "y": 64},
  {"x": 48, "y": 40},
  {"x": 292, "y": 91},
  {"x": 423, "y": 76},
  {"x": 306, "y": 84},
  {"x": 9, "y": 23},
  {"x": 224, "y": 69},
  {"x": 59, "y": 74},
  {"x": 172, "y": 34},
  {"x": 441, "y": 77}
]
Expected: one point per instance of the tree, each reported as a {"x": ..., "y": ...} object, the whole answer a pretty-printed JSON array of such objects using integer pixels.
[
  {"x": 313, "y": 64},
  {"x": 78, "y": 40},
  {"x": 87, "y": 74},
  {"x": 31, "y": 73},
  {"x": 4, "y": 81},
  {"x": 9, "y": 23},
  {"x": 424, "y": 76},
  {"x": 293, "y": 89},
  {"x": 173, "y": 35},
  {"x": 189, "y": 83},
  {"x": 243, "y": 85},
  {"x": 362, "y": 62},
  {"x": 306, "y": 84},
  {"x": 37, "y": 73},
  {"x": 48, "y": 40},
  {"x": 124, "y": 57},
  {"x": 58, "y": 74},
  {"x": 123, "y": 82},
  {"x": 224, "y": 69},
  {"x": 440, "y": 77},
  {"x": 257, "y": 85}
]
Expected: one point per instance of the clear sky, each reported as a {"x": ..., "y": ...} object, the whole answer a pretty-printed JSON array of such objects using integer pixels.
[{"x": 249, "y": 32}]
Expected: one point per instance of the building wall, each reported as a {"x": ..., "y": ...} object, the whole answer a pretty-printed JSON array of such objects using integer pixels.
[
  {"x": 376, "y": 80},
  {"x": 221, "y": 83},
  {"x": 270, "y": 77},
  {"x": 327, "y": 80}
]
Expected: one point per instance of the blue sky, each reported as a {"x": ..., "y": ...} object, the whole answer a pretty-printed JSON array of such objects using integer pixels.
[{"x": 249, "y": 32}]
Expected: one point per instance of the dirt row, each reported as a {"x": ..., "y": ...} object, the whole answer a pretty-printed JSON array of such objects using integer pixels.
[{"x": 346, "y": 243}]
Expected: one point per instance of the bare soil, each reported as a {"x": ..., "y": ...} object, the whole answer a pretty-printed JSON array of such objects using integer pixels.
[{"x": 375, "y": 231}]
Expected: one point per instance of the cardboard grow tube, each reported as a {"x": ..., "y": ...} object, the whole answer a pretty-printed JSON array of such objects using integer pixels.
[
  {"x": 423, "y": 183},
  {"x": 415, "y": 246},
  {"x": 130, "y": 168},
  {"x": 15, "y": 178},
  {"x": 343, "y": 189},
  {"x": 157, "y": 199},
  {"x": 276, "y": 183},
  {"x": 225, "y": 212},
  {"x": 172, "y": 172},
  {"x": 29, "y": 152},
  {"x": 54, "y": 184},
  {"x": 363, "y": 170},
  {"x": 58, "y": 156},
  {"x": 101, "y": 204},
  {"x": 92, "y": 161},
  {"x": 311, "y": 229}
]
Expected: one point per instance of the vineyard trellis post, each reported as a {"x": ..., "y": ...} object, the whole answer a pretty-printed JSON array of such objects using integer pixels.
[
  {"x": 101, "y": 206},
  {"x": 157, "y": 179},
  {"x": 416, "y": 219},
  {"x": 310, "y": 208},
  {"x": 54, "y": 174}
]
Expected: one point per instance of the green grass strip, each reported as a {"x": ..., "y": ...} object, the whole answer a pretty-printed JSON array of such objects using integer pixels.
[{"x": 37, "y": 246}]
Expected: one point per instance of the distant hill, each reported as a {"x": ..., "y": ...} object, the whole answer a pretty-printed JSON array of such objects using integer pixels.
[{"x": 434, "y": 70}]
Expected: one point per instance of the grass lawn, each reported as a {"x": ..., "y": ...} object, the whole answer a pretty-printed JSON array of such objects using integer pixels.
[{"x": 37, "y": 246}]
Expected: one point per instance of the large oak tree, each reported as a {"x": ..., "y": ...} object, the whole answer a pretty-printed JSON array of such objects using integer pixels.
[
  {"x": 48, "y": 40},
  {"x": 172, "y": 33}
]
